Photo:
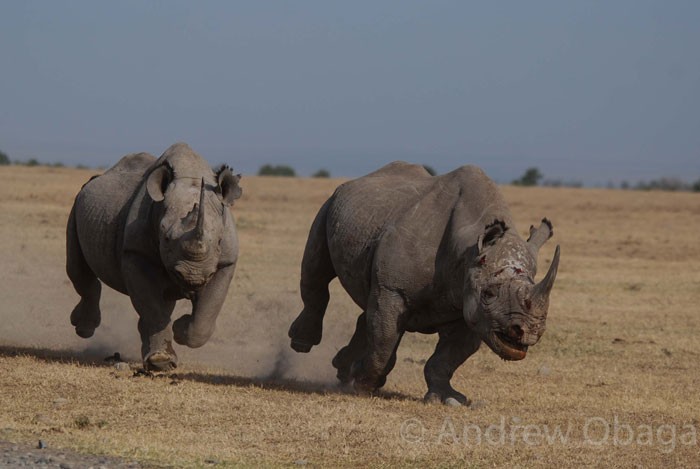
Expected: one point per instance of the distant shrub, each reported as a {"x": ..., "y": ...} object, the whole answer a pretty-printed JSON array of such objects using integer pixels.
[
  {"x": 4, "y": 159},
  {"x": 58, "y": 164},
  {"x": 430, "y": 170},
  {"x": 696, "y": 186},
  {"x": 561, "y": 183},
  {"x": 663, "y": 184},
  {"x": 321, "y": 173},
  {"x": 531, "y": 177},
  {"x": 278, "y": 170},
  {"x": 32, "y": 162}
]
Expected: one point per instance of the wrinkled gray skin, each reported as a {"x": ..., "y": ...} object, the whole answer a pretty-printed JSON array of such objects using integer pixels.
[
  {"x": 157, "y": 231},
  {"x": 423, "y": 254}
]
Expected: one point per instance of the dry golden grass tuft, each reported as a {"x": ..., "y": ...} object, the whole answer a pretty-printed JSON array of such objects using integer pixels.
[{"x": 620, "y": 354}]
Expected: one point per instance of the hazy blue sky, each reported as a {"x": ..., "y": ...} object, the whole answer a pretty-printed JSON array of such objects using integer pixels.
[{"x": 590, "y": 90}]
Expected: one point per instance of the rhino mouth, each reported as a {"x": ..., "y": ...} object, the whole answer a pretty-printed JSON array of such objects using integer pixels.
[{"x": 506, "y": 347}]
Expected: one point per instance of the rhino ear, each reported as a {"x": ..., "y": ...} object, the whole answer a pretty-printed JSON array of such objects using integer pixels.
[
  {"x": 158, "y": 182},
  {"x": 539, "y": 235},
  {"x": 491, "y": 234},
  {"x": 228, "y": 182}
]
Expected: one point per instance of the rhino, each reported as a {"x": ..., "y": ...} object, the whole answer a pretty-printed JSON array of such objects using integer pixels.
[
  {"x": 427, "y": 254},
  {"x": 157, "y": 230}
]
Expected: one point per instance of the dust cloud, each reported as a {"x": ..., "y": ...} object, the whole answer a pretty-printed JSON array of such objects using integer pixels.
[{"x": 250, "y": 339}]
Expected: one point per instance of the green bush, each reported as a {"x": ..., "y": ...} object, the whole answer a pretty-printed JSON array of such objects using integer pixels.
[
  {"x": 531, "y": 177},
  {"x": 321, "y": 173},
  {"x": 4, "y": 159},
  {"x": 278, "y": 170}
]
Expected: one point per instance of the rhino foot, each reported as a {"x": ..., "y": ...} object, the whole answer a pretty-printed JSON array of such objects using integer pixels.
[
  {"x": 301, "y": 347},
  {"x": 451, "y": 398},
  {"x": 85, "y": 332},
  {"x": 344, "y": 367},
  {"x": 365, "y": 384},
  {"x": 160, "y": 361},
  {"x": 305, "y": 333},
  {"x": 85, "y": 319},
  {"x": 344, "y": 375}
]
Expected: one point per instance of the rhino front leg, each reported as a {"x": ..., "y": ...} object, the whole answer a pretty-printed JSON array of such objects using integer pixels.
[
  {"x": 146, "y": 285},
  {"x": 457, "y": 343},
  {"x": 86, "y": 315},
  {"x": 383, "y": 338},
  {"x": 194, "y": 330}
]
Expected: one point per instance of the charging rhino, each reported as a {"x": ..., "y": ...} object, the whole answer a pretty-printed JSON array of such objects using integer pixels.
[
  {"x": 157, "y": 230},
  {"x": 423, "y": 254}
]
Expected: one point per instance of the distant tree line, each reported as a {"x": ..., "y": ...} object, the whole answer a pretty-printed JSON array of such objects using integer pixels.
[
  {"x": 663, "y": 184},
  {"x": 288, "y": 171},
  {"x": 532, "y": 177},
  {"x": 5, "y": 160}
]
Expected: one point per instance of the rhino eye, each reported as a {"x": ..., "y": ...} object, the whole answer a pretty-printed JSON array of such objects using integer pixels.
[{"x": 490, "y": 293}]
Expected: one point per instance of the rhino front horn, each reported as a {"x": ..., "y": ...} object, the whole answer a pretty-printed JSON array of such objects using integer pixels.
[
  {"x": 543, "y": 288},
  {"x": 199, "y": 229}
]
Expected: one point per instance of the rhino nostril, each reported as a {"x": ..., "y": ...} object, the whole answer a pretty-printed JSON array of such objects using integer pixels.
[{"x": 516, "y": 332}]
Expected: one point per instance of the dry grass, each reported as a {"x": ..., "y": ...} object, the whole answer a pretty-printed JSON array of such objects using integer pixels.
[{"x": 621, "y": 344}]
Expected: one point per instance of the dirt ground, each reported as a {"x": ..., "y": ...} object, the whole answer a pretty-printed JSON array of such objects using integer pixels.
[{"x": 613, "y": 382}]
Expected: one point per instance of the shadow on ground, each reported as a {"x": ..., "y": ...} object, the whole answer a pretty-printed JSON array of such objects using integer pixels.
[{"x": 273, "y": 382}]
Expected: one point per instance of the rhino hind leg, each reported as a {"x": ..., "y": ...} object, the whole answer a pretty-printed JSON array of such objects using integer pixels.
[
  {"x": 307, "y": 328},
  {"x": 86, "y": 315},
  {"x": 317, "y": 271},
  {"x": 456, "y": 344},
  {"x": 383, "y": 338},
  {"x": 348, "y": 355}
]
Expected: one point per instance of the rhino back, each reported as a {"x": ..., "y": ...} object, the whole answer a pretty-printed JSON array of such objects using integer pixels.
[
  {"x": 100, "y": 210},
  {"x": 423, "y": 253},
  {"x": 413, "y": 229},
  {"x": 358, "y": 214}
]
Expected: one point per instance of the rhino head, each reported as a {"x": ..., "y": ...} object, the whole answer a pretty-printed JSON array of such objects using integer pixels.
[
  {"x": 193, "y": 213},
  {"x": 502, "y": 301}
]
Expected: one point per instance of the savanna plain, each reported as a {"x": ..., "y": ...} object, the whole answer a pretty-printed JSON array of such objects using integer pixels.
[{"x": 614, "y": 381}]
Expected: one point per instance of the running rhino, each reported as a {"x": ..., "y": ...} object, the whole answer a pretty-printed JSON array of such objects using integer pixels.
[
  {"x": 157, "y": 230},
  {"x": 423, "y": 254}
]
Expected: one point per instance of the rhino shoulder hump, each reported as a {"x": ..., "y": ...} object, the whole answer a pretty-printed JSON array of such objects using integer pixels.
[
  {"x": 471, "y": 171},
  {"x": 401, "y": 168},
  {"x": 134, "y": 163}
]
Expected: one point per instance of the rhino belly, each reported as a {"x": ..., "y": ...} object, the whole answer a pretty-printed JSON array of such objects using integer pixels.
[{"x": 98, "y": 221}]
